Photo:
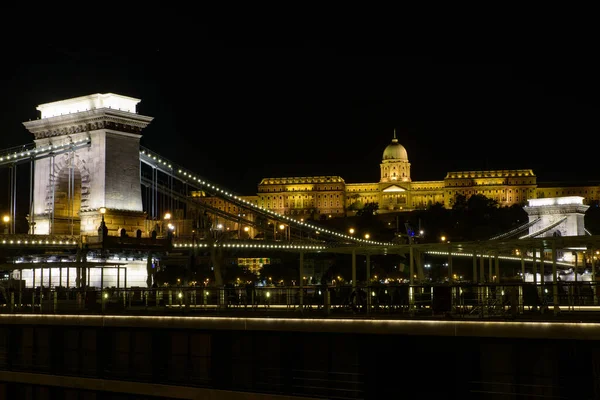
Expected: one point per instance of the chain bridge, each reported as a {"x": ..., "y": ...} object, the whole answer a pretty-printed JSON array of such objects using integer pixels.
[{"x": 100, "y": 209}]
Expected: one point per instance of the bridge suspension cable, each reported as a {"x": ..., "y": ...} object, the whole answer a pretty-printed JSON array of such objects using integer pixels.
[
  {"x": 515, "y": 231},
  {"x": 180, "y": 197},
  {"x": 184, "y": 175},
  {"x": 30, "y": 153},
  {"x": 544, "y": 229},
  {"x": 25, "y": 153}
]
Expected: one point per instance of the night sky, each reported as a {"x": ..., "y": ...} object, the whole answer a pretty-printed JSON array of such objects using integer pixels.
[{"x": 237, "y": 114}]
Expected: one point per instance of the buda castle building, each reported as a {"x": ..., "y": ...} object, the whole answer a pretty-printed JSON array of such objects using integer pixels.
[{"x": 321, "y": 197}]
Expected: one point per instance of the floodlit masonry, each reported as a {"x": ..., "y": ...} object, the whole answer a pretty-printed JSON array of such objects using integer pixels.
[{"x": 71, "y": 187}]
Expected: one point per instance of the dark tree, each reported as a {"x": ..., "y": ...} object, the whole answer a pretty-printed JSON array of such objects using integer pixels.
[{"x": 369, "y": 209}]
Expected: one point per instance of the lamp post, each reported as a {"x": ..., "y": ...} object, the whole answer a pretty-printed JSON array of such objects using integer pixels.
[
  {"x": 6, "y": 220},
  {"x": 281, "y": 228},
  {"x": 166, "y": 218},
  {"x": 103, "y": 230},
  {"x": 351, "y": 231}
]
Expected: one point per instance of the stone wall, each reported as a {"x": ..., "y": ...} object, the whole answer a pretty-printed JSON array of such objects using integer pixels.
[
  {"x": 122, "y": 181},
  {"x": 115, "y": 220}
]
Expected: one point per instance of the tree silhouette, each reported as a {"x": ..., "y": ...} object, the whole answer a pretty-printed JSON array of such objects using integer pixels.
[{"x": 368, "y": 210}]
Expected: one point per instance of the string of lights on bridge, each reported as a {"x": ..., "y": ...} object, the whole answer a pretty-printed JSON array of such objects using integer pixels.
[
  {"x": 508, "y": 258},
  {"x": 25, "y": 152},
  {"x": 194, "y": 178},
  {"x": 253, "y": 245},
  {"x": 40, "y": 242}
]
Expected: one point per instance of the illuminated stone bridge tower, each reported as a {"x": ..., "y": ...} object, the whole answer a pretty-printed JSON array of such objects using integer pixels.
[
  {"x": 556, "y": 216},
  {"x": 100, "y": 169}
]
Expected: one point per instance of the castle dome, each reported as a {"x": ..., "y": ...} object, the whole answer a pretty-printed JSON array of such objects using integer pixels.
[{"x": 395, "y": 151}]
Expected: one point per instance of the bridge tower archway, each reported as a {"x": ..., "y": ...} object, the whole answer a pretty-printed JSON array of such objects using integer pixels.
[{"x": 66, "y": 192}]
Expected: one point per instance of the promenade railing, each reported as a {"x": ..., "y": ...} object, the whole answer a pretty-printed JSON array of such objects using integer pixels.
[{"x": 462, "y": 300}]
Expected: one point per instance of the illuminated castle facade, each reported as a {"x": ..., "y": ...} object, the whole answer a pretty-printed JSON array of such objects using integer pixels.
[{"x": 320, "y": 197}]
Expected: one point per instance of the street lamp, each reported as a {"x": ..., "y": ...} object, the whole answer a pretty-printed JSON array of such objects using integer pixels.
[
  {"x": 351, "y": 230},
  {"x": 281, "y": 228},
  {"x": 166, "y": 218},
  {"x": 103, "y": 230},
  {"x": 367, "y": 236},
  {"x": 6, "y": 220}
]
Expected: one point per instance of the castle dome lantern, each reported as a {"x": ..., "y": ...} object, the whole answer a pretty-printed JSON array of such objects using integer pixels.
[{"x": 395, "y": 151}]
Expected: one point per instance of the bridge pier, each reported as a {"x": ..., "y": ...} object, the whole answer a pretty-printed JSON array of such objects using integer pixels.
[
  {"x": 594, "y": 289},
  {"x": 554, "y": 280},
  {"x": 522, "y": 254},
  {"x": 497, "y": 266},
  {"x": 368, "y": 282},
  {"x": 450, "y": 271},
  {"x": 354, "y": 270},
  {"x": 411, "y": 280},
  {"x": 543, "y": 288},
  {"x": 482, "y": 267},
  {"x": 411, "y": 263},
  {"x": 301, "y": 286},
  {"x": 474, "y": 280},
  {"x": 420, "y": 259},
  {"x": 534, "y": 266}
]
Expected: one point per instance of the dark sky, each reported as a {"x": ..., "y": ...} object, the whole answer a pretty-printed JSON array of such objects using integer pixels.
[{"x": 235, "y": 114}]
